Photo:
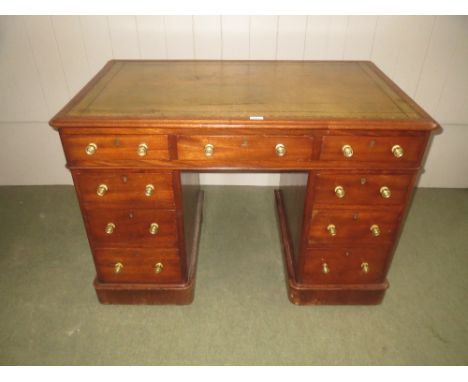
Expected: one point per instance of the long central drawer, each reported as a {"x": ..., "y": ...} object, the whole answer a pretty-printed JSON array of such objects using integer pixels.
[{"x": 244, "y": 148}]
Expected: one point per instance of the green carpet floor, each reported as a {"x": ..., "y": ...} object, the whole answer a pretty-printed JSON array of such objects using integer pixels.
[{"x": 241, "y": 315}]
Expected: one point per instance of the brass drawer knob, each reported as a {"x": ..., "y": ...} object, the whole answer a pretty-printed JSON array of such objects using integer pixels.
[
  {"x": 347, "y": 151},
  {"x": 325, "y": 269},
  {"x": 385, "y": 192},
  {"x": 153, "y": 228},
  {"x": 339, "y": 192},
  {"x": 149, "y": 190},
  {"x": 280, "y": 150},
  {"x": 102, "y": 189},
  {"x": 331, "y": 229},
  {"x": 208, "y": 150},
  {"x": 158, "y": 267},
  {"x": 398, "y": 151},
  {"x": 91, "y": 148},
  {"x": 365, "y": 267},
  {"x": 142, "y": 149},
  {"x": 375, "y": 229},
  {"x": 110, "y": 227},
  {"x": 118, "y": 267}
]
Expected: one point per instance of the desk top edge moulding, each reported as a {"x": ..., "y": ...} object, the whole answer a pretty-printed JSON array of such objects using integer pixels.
[{"x": 348, "y": 143}]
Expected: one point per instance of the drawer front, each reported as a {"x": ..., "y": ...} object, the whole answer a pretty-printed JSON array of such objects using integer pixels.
[
  {"x": 91, "y": 148},
  {"x": 352, "y": 227},
  {"x": 138, "y": 266},
  {"x": 244, "y": 148},
  {"x": 345, "y": 189},
  {"x": 373, "y": 149},
  {"x": 131, "y": 227},
  {"x": 150, "y": 189},
  {"x": 345, "y": 265}
]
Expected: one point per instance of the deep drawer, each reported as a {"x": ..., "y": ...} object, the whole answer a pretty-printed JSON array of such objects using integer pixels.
[
  {"x": 131, "y": 227},
  {"x": 345, "y": 265},
  {"x": 138, "y": 266},
  {"x": 104, "y": 187},
  {"x": 348, "y": 189}
]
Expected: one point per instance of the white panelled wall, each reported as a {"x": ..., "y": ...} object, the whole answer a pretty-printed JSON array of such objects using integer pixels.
[{"x": 44, "y": 61}]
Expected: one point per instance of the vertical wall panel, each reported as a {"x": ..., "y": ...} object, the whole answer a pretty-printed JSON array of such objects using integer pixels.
[
  {"x": 33, "y": 155},
  {"x": 236, "y": 37},
  {"x": 387, "y": 41},
  {"x": 263, "y": 31},
  {"x": 412, "y": 51},
  {"x": 15, "y": 49},
  {"x": 291, "y": 37},
  {"x": 242, "y": 179},
  {"x": 124, "y": 37},
  {"x": 67, "y": 31},
  {"x": 207, "y": 37},
  {"x": 336, "y": 37},
  {"x": 179, "y": 37},
  {"x": 96, "y": 37},
  {"x": 10, "y": 101},
  {"x": 447, "y": 162},
  {"x": 48, "y": 62},
  {"x": 316, "y": 37},
  {"x": 359, "y": 37},
  {"x": 152, "y": 36},
  {"x": 447, "y": 35},
  {"x": 325, "y": 37},
  {"x": 452, "y": 106}
]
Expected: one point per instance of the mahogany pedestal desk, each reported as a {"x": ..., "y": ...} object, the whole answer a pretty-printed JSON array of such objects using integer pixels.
[{"x": 347, "y": 142}]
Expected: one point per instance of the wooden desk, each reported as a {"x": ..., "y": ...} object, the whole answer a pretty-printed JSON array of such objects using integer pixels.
[{"x": 347, "y": 141}]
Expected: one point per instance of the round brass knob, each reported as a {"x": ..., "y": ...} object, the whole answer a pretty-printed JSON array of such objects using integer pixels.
[
  {"x": 280, "y": 150},
  {"x": 110, "y": 227},
  {"x": 339, "y": 192},
  {"x": 398, "y": 151},
  {"x": 208, "y": 150},
  {"x": 118, "y": 267},
  {"x": 149, "y": 190},
  {"x": 347, "y": 151},
  {"x": 153, "y": 228},
  {"x": 375, "y": 229},
  {"x": 158, "y": 267},
  {"x": 365, "y": 267},
  {"x": 142, "y": 149},
  {"x": 325, "y": 269},
  {"x": 101, "y": 190},
  {"x": 91, "y": 148},
  {"x": 331, "y": 229},
  {"x": 385, "y": 192}
]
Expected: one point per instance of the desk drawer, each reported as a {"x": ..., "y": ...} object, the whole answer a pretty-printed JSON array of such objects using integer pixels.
[
  {"x": 347, "y": 189},
  {"x": 345, "y": 265},
  {"x": 132, "y": 227},
  {"x": 90, "y": 148},
  {"x": 138, "y": 266},
  {"x": 104, "y": 187},
  {"x": 244, "y": 148},
  {"x": 395, "y": 150},
  {"x": 330, "y": 227}
]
